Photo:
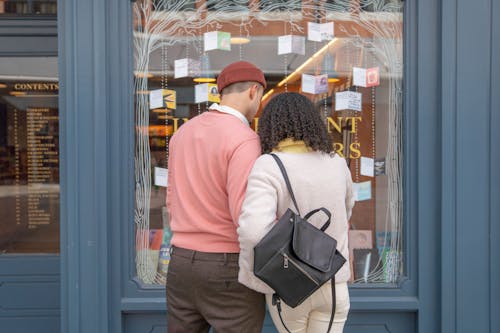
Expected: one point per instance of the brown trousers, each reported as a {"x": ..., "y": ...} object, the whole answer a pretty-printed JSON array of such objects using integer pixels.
[{"x": 203, "y": 291}]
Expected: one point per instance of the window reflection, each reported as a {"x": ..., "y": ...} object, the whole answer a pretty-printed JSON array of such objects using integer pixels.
[
  {"x": 280, "y": 5},
  {"x": 29, "y": 157},
  {"x": 28, "y": 7},
  {"x": 361, "y": 104}
]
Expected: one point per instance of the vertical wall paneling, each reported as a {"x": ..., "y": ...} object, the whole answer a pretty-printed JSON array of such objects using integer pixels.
[
  {"x": 472, "y": 167},
  {"x": 410, "y": 106},
  {"x": 97, "y": 160},
  {"x": 448, "y": 171},
  {"x": 84, "y": 124},
  {"x": 428, "y": 162},
  {"x": 121, "y": 156},
  {"x": 494, "y": 173},
  {"x": 470, "y": 193}
]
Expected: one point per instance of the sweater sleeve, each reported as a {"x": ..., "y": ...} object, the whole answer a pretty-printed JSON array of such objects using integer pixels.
[
  {"x": 258, "y": 216},
  {"x": 239, "y": 167}
]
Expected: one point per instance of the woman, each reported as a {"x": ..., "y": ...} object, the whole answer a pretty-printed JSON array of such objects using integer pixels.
[{"x": 291, "y": 128}]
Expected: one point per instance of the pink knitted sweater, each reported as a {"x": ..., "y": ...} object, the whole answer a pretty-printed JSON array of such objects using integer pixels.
[{"x": 209, "y": 162}]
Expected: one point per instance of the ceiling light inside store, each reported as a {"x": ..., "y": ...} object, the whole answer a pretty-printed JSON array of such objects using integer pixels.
[
  {"x": 25, "y": 95},
  {"x": 142, "y": 74},
  {"x": 269, "y": 93},
  {"x": 161, "y": 110},
  {"x": 298, "y": 71},
  {"x": 18, "y": 93},
  {"x": 204, "y": 79},
  {"x": 240, "y": 40}
]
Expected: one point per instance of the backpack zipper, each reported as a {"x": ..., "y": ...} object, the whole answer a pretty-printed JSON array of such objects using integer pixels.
[{"x": 287, "y": 259}]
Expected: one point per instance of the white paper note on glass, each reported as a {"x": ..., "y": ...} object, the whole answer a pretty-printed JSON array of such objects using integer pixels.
[
  {"x": 341, "y": 100},
  {"x": 359, "y": 76},
  {"x": 161, "y": 177},
  {"x": 362, "y": 191},
  {"x": 372, "y": 77},
  {"x": 291, "y": 44},
  {"x": 181, "y": 68},
  {"x": 298, "y": 45},
  {"x": 156, "y": 99},
  {"x": 314, "y": 84},
  {"x": 308, "y": 83},
  {"x": 284, "y": 44},
  {"x": 321, "y": 83},
  {"x": 367, "y": 166},
  {"x": 365, "y": 77},
  {"x": 318, "y": 32},
  {"x": 201, "y": 93},
  {"x": 348, "y": 100},
  {"x": 326, "y": 31},
  {"x": 210, "y": 40},
  {"x": 214, "y": 40},
  {"x": 314, "y": 31},
  {"x": 355, "y": 101},
  {"x": 186, "y": 67}
]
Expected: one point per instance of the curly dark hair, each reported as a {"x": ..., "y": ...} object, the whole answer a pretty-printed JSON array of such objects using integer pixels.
[{"x": 292, "y": 115}]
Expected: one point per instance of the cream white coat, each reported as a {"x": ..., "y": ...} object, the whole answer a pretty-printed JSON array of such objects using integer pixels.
[{"x": 318, "y": 180}]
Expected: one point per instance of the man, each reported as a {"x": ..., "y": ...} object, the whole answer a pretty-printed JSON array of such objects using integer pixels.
[{"x": 209, "y": 162}]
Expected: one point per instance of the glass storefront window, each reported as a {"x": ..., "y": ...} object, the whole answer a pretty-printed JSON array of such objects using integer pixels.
[
  {"x": 29, "y": 155},
  {"x": 28, "y": 7},
  {"x": 350, "y": 52}
]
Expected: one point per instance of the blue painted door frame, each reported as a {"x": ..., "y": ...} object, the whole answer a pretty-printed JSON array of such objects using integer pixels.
[
  {"x": 452, "y": 121},
  {"x": 96, "y": 125},
  {"x": 470, "y": 223}
]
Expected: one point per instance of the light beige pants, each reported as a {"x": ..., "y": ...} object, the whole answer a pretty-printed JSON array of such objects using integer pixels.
[{"x": 313, "y": 315}]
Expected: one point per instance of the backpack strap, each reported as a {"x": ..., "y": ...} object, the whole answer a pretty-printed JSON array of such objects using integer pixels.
[
  {"x": 325, "y": 211},
  {"x": 334, "y": 304},
  {"x": 277, "y": 302},
  {"x": 276, "y": 299},
  {"x": 289, "y": 187},
  {"x": 287, "y": 181}
]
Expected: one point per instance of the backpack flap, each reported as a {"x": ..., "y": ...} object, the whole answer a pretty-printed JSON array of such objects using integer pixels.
[{"x": 313, "y": 246}]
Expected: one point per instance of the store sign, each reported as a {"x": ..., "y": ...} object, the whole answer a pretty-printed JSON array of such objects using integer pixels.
[
  {"x": 334, "y": 124},
  {"x": 36, "y": 86},
  {"x": 340, "y": 123}
]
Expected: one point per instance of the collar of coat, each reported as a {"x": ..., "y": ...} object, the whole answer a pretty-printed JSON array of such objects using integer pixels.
[{"x": 292, "y": 146}]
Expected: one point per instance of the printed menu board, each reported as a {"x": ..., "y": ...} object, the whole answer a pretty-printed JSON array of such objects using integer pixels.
[{"x": 42, "y": 164}]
